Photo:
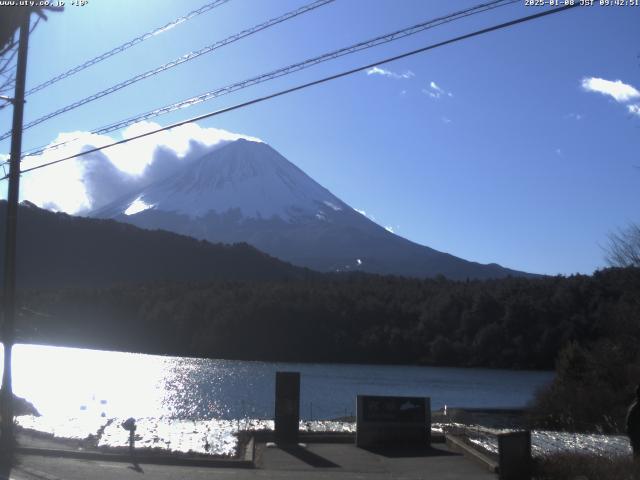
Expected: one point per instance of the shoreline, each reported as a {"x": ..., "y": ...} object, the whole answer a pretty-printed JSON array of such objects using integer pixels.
[
  {"x": 107, "y": 436},
  {"x": 33, "y": 441},
  {"x": 30, "y": 442},
  {"x": 477, "y": 428},
  {"x": 179, "y": 354}
]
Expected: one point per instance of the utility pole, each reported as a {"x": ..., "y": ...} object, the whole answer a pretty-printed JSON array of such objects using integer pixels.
[{"x": 9, "y": 298}]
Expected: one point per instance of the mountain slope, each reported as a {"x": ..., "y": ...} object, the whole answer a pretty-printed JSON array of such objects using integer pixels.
[
  {"x": 55, "y": 249},
  {"x": 248, "y": 192}
]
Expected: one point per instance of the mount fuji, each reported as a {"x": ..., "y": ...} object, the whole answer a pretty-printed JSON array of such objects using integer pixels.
[{"x": 246, "y": 191}]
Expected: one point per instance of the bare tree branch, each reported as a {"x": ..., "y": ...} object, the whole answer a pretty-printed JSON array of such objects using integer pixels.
[{"x": 623, "y": 249}]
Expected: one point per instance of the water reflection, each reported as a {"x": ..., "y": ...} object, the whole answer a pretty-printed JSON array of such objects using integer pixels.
[
  {"x": 197, "y": 404},
  {"x": 66, "y": 382}
]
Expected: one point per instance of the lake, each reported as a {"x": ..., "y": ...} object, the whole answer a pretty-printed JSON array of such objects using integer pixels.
[{"x": 93, "y": 386}]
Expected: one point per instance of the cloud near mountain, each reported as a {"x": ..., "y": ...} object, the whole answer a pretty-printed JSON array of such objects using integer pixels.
[{"x": 90, "y": 181}]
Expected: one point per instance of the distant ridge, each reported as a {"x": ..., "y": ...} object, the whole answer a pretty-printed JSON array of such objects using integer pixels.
[{"x": 56, "y": 249}]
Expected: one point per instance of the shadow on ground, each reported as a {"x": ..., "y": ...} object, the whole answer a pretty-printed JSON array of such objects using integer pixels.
[
  {"x": 135, "y": 467},
  {"x": 410, "y": 452},
  {"x": 308, "y": 457}
]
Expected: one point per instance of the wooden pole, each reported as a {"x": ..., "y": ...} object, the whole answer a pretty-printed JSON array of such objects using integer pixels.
[{"x": 9, "y": 298}]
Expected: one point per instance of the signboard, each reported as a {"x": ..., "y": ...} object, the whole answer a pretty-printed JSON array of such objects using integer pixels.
[
  {"x": 390, "y": 421},
  {"x": 394, "y": 409},
  {"x": 287, "y": 414}
]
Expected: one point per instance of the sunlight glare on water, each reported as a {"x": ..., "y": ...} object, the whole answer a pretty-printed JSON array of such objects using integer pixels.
[{"x": 64, "y": 382}]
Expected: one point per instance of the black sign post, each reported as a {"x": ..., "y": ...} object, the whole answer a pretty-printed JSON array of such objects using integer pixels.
[
  {"x": 287, "y": 419},
  {"x": 514, "y": 451}
]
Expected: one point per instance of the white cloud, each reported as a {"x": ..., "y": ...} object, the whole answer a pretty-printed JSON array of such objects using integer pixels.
[
  {"x": 388, "y": 73},
  {"x": 78, "y": 185},
  {"x": 634, "y": 109},
  {"x": 378, "y": 71},
  {"x": 619, "y": 91},
  {"x": 446, "y": 120},
  {"x": 436, "y": 91},
  {"x": 575, "y": 116},
  {"x": 134, "y": 157}
]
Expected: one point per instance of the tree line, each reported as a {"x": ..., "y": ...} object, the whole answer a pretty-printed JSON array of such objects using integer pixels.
[{"x": 520, "y": 323}]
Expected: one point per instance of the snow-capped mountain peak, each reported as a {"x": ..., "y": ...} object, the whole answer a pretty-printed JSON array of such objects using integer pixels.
[
  {"x": 245, "y": 191},
  {"x": 244, "y": 175}
]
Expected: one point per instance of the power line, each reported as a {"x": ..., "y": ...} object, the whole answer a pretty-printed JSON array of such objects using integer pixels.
[
  {"x": 305, "y": 64},
  {"x": 178, "y": 61},
  {"x": 310, "y": 84},
  {"x": 127, "y": 45},
  {"x": 398, "y": 34}
]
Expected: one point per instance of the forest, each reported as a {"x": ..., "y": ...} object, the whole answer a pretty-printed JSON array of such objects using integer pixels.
[{"x": 518, "y": 323}]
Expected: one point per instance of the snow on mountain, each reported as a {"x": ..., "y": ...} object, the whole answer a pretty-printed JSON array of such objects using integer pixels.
[
  {"x": 247, "y": 192},
  {"x": 248, "y": 176}
]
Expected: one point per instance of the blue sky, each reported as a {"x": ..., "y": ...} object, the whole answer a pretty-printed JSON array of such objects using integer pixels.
[{"x": 517, "y": 147}]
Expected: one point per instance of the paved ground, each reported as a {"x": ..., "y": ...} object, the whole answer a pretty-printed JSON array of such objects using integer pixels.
[{"x": 316, "y": 461}]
